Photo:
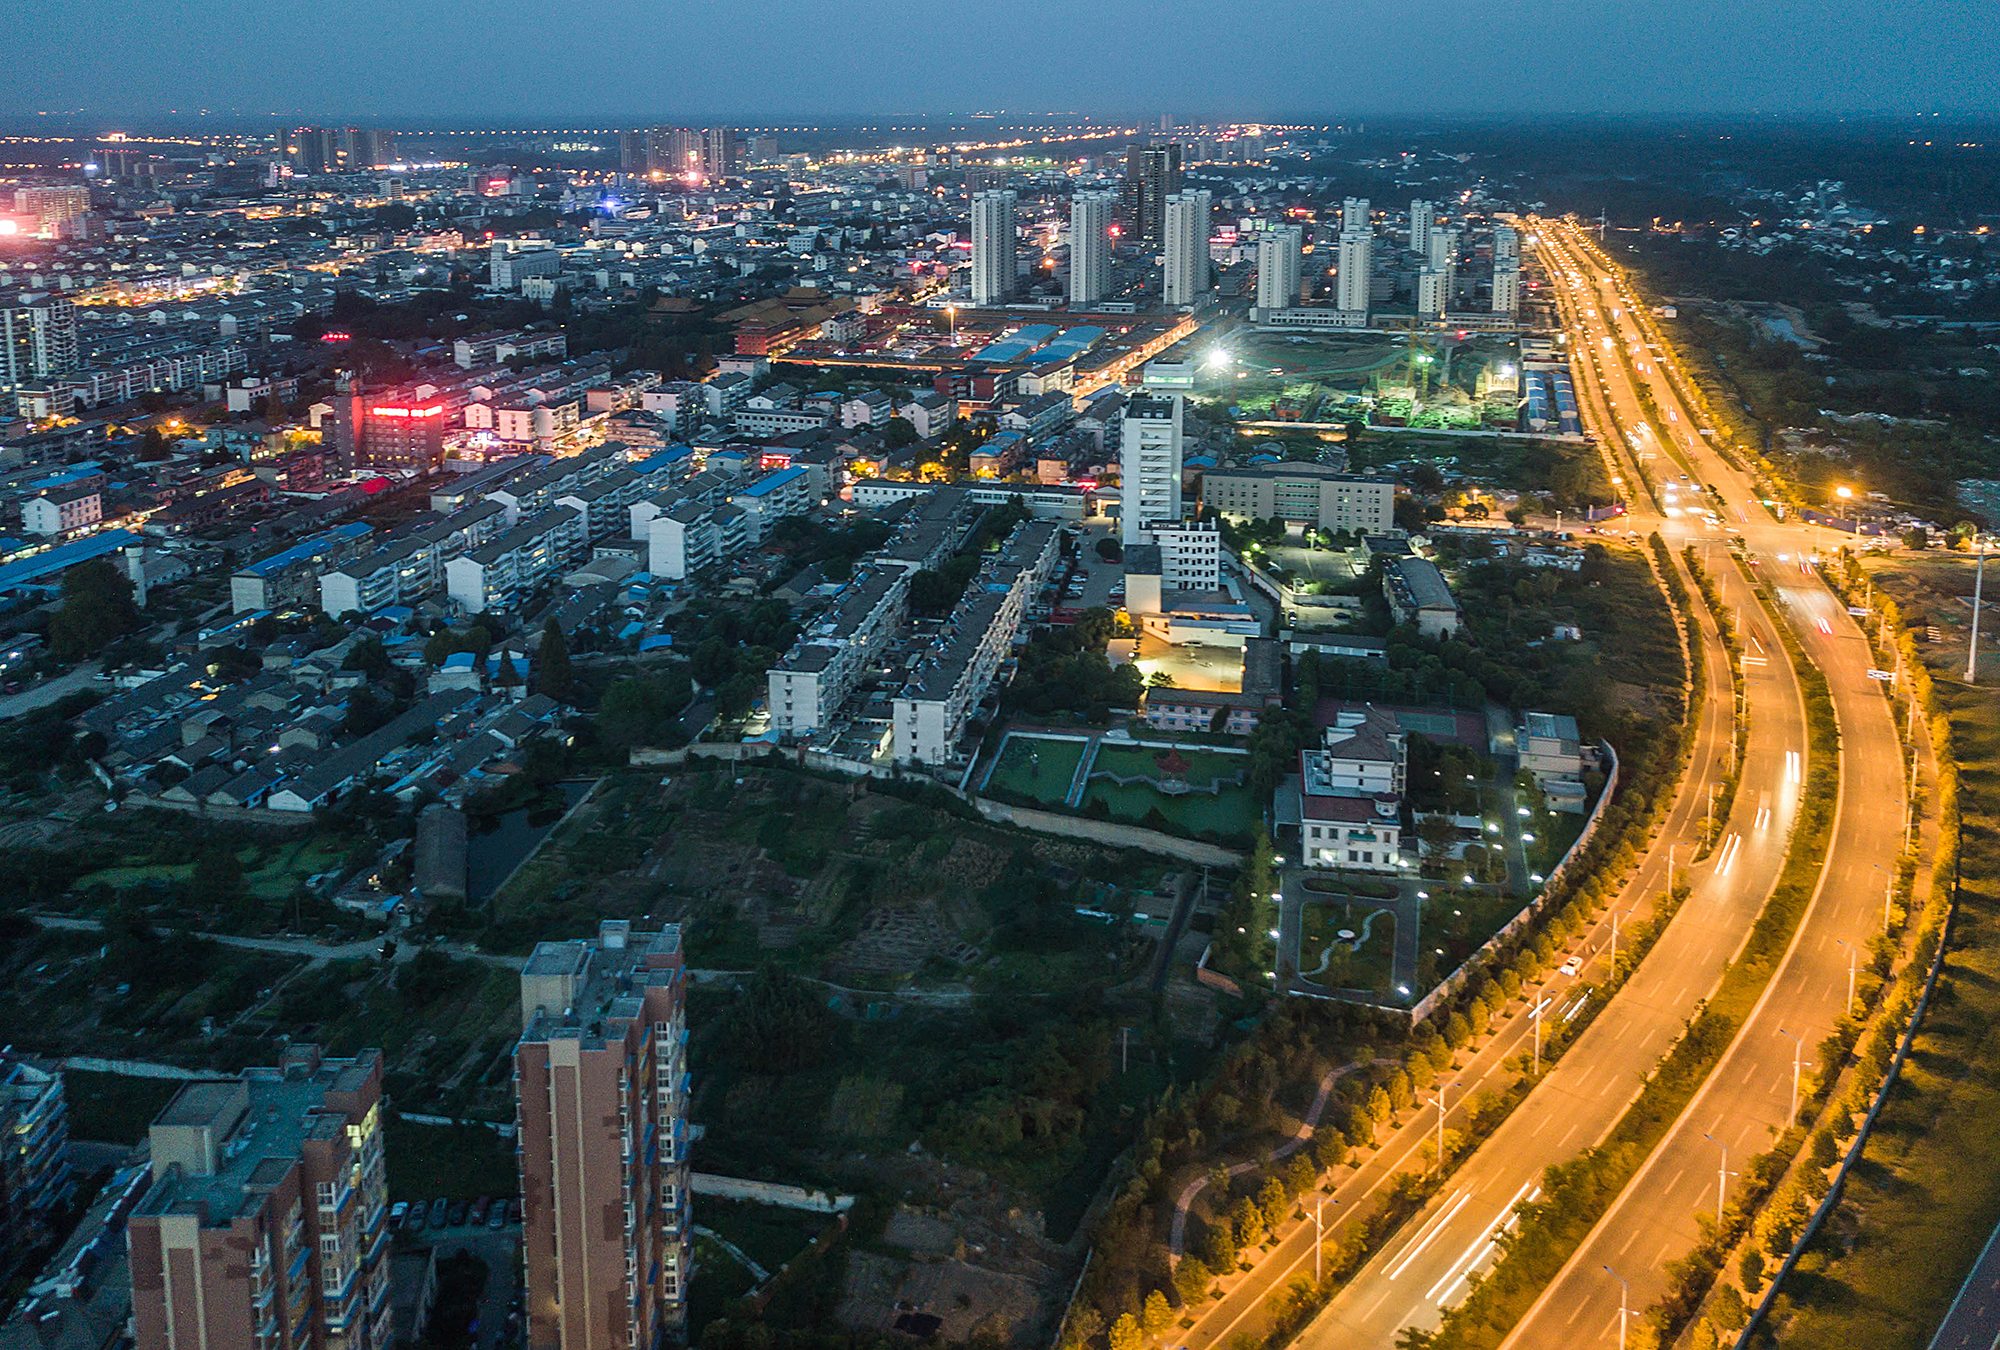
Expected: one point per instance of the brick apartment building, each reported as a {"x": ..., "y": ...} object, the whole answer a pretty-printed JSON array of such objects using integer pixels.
[
  {"x": 601, "y": 1087},
  {"x": 265, "y": 1225}
]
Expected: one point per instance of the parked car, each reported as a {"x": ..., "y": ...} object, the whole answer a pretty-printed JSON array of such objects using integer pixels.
[
  {"x": 499, "y": 1218},
  {"x": 413, "y": 1222},
  {"x": 513, "y": 1211},
  {"x": 439, "y": 1209},
  {"x": 478, "y": 1214},
  {"x": 397, "y": 1211},
  {"x": 457, "y": 1213}
]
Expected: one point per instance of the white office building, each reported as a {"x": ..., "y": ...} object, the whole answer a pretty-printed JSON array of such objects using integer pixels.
[
  {"x": 1506, "y": 245},
  {"x": 1422, "y": 215},
  {"x": 1278, "y": 266},
  {"x": 1353, "y": 215},
  {"x": 1090, "y": 215},
  {"x": 1506, "y": 289},
  {"x": 1185, "y": 275},
  {"x": 1357, "y": 258},
  {"x": 1441, "y": 249},
  {"x": 992, "y": 247},
  {"x": 1149, "y": 465},
  {"x": 1190, "y": 554}
]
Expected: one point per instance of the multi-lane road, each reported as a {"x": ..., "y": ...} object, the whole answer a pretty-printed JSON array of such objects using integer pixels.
[
  {"x": 1748, "y": 1098},
  {"x": 1427, "y": 1267}
]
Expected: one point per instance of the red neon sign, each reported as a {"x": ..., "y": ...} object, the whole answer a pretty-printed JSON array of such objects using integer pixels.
[
  {"x": 335, "y": 337},
  {"x": 432, "y": 411}
]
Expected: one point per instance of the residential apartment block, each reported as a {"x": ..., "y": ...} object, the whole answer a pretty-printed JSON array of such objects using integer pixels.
[
  {"x": 1305, "y": 493},
  {"x": 602, "y": 1083},
  {"x": 945, "y": 688},
  {"x": 265, "y": 1227},
  {"x": 808, "y": 685}
]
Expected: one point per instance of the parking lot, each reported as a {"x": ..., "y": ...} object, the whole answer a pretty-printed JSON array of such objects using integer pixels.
[{"x": 499, "y": 1247}]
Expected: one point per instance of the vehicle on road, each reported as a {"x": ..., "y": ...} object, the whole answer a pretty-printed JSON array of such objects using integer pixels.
[{"x": 1573, "y": 966}]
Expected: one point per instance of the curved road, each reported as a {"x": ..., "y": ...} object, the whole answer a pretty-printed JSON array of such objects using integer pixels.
[
  {"x": 1427, "y": 1267},
  {"x": 1747, "y": 1099}
]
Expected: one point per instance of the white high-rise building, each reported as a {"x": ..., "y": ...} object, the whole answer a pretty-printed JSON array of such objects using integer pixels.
[
  {"x": 1422, "y": 214},
  {"x": 1185, "y": 275},
  {"x": 1357, "y": 257},
  {"x": 1353, "y": 214},
  {"x": 1506, "y": 245},
  {"x": 1506, "y": 289},
  {"x": 1149, "y": 456},
  {"x": 1442, "y": 248},
  {"x": 1090, "y": 216},
  {"x": 1432, "y": 295},
  {"x": 992, "y": 247},
  {"x": 1278, "y": 265},
  {"x": 37, "y": 341}
]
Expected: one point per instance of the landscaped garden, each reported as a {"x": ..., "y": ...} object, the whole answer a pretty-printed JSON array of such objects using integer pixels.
[{"x": 1347, "y": 946}]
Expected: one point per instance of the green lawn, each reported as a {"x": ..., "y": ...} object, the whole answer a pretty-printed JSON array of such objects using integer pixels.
[
  {"x": 1037, "y": 766},
  {"x": 111, "y": 1108},
  {"x": 1371, "y": 966},
  {"x": 1204, "y": 766},
  {"x": 1233, "y": 812}
]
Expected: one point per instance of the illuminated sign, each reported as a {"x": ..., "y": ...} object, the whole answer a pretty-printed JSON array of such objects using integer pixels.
[
  {"x": 335, "y": 337},
  {"x": 433, "y": 411}
]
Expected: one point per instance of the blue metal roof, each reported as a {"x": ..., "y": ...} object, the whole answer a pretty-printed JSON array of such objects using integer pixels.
[
  {"x": 30, "y": 570},
  {"x": 770, "y": 482},
  {"x": 319, "y": 543}
]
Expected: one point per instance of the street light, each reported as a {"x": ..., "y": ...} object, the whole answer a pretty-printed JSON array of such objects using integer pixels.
[
  {"x": 1798, "y": 1065},
  {"x": 1722, "y": 1176},
  {"x": 1438, "y": 1102},
  {"x": 1624, "y": 1297},
  {"x": 1319, "y": 1235},
  {"x": 1853, "y": 964}
]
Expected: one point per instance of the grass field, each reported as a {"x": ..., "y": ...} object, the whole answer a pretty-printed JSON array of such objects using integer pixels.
[
  {"x": 1920, "y": 1207},
  {"x": 1370, "y": 967},
  {"x": 1204, "y": 766},
  {"x": 1233, "y": 811},
  {"x": 111, "y": 1108},
  {"x": 1037, "y": 766}
]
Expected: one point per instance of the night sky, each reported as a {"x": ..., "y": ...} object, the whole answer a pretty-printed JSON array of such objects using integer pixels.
[{"x": 605, "y": 60}]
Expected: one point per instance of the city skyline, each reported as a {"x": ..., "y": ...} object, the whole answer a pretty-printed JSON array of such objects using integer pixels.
[{"x": 1798, "y": 57}]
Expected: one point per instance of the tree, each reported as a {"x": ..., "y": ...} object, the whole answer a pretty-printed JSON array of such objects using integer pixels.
[
  {"x": 97, "y": 609},
  {"x": 1125, "y": 1333},
  {"x": 897, "y": 433},
  {"x": 640, "y": 711},
  {"x": 217, "y": 875},
  {"x": 1191, "y": 1278},
  {"x": 1109, "y": 549},
  {"x": 552, "y": 672},
  {"x": 1157, "y": 1315}
]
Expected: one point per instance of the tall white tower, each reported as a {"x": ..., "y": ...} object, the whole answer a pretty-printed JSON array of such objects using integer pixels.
[
  {"x": 1278, "y": 267},
  {"x": 1185, "y": 275},
  {"x": 1506, "y": 245},
  {"x": 1353, "y": 214},
  {"x": 992, "y": 247},
  {"x": 1357, "y": 257},
  {"x": 1090, "y": 216},
  {"x": 1431, "y": 293},
  {"x": 1422, "y": 214},
  {"x": 1149, "y": 455},
  {"x": 1506, "y": 288}
]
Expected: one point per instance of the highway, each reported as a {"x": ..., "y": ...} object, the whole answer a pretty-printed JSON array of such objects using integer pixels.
[
  {"x": 1427, "y": 1267},
  {"x": 1748, "y": 1098},
  {"x": 1241, "y": 1309}
]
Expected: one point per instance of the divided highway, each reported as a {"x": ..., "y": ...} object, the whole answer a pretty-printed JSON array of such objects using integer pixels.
[
  {"x": 1748, "y": 1098},
  {"x": 1429, "y": 1265}
]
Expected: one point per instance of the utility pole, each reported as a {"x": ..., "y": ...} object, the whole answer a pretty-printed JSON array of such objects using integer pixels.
[
  {"x": 1319, "y": 1236},
  {"x": 1978, "y": 584},
  {"x": 1614, "y": 944},
  {"x": 1124, "y": 1049}
]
